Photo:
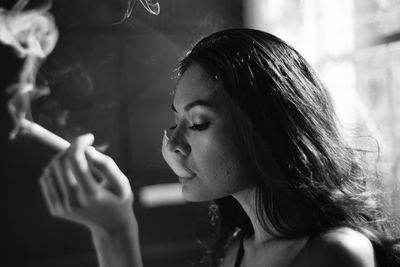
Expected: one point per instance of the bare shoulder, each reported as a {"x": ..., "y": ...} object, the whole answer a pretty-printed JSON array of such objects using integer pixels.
[{"x": 337, "y": 247}]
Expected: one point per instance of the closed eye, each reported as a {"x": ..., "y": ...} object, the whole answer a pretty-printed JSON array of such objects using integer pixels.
[
  {"x": 200, "y": 127},
  {"x": 195, "y": 127}
]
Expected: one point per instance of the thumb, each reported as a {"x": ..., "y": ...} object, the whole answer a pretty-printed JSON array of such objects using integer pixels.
[{"x": 109, "y": 170}]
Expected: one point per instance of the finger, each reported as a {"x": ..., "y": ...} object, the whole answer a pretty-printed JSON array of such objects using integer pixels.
[
  {"x": 71, "y": 180},
  {"x": 77, "y": 198},
  {"x": 106, "y": 182},
  {"x": 46, "y": 194},
  {"x": 84, "y": 178},
  {"x": 103, "y": 164},
  {"x": 97, "y": 173},
  {"x": 64, "y": 168},
  {"x": 52, "y": 193},
  {"x": 61, "y": 183},
  {"x": 80, "y": 166},
  {"x": 109, "y": 170}
]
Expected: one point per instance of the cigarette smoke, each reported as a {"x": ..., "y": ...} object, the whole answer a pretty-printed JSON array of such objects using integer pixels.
[
  {"x": 33, "y": 35},
  {"x": 152, "y": 8}
]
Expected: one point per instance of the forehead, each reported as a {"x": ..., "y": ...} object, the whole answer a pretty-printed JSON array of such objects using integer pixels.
[{"x": 194, "y": 84}]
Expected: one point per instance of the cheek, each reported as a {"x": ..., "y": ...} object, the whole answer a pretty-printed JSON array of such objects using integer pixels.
[{"x": 219, "y": 162}]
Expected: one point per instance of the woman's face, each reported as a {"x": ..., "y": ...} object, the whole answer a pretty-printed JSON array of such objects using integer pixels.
[{"x": 202, "y": 147}]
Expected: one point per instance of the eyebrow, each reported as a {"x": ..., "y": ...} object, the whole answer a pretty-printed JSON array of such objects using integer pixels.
[{"x": 191, "y": 105}]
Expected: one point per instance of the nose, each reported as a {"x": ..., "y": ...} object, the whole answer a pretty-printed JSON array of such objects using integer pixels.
[{"x": 178, "y": 144}]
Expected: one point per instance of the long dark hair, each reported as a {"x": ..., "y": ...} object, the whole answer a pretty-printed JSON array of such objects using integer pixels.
[{"x": 318, "y": 181}]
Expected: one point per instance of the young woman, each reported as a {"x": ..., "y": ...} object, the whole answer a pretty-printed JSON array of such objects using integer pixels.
[{"x": 256, "y": 133}]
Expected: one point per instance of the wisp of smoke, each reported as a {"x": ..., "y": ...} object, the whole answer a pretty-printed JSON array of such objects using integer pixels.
[{"x": 33, "y": 35}]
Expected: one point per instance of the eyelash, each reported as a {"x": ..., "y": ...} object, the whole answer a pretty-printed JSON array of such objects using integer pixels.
[{"x": 195, "y": 127}]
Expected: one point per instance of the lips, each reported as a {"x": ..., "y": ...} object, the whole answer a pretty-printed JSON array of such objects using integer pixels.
[
  {"x": 183, "y": 180},
  {"x": 189, "y": 174}
]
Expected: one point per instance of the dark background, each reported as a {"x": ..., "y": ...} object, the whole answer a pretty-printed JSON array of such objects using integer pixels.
[{"x": 114, "y": 80}]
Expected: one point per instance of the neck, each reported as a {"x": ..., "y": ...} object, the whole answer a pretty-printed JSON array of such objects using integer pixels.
[{"x": 247, "y": 199}]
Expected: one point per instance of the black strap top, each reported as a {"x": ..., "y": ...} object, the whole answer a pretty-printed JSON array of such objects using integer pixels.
[{"x": 239, "y": 255}]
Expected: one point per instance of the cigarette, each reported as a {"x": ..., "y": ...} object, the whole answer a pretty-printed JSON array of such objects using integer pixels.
[
  {"x": 45, "y": 136},
  {"x": 42, "y": 134}
]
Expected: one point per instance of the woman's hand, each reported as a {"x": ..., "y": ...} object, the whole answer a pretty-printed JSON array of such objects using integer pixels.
[{"x": 87, "y": 187}]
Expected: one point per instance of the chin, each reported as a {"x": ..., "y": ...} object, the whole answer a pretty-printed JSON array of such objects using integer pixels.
[{"x": 191, "y": 196}]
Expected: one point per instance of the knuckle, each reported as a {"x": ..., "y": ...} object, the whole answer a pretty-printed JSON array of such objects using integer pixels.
[
  {"x": 67, "y": 209},
  {"x": 79, "y": 204},
  {"x": 57, "y": 211},
  {"x": 53, "y": 213},
  {"x": 75, "y": 204},
  {"x": 75, "y": 201},
  {"x": 92, "y": 196},
  {"x": 95, "y": 196}
]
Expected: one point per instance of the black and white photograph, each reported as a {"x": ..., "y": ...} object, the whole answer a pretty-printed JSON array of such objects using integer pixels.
[{"x": 200, "y": 133}]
